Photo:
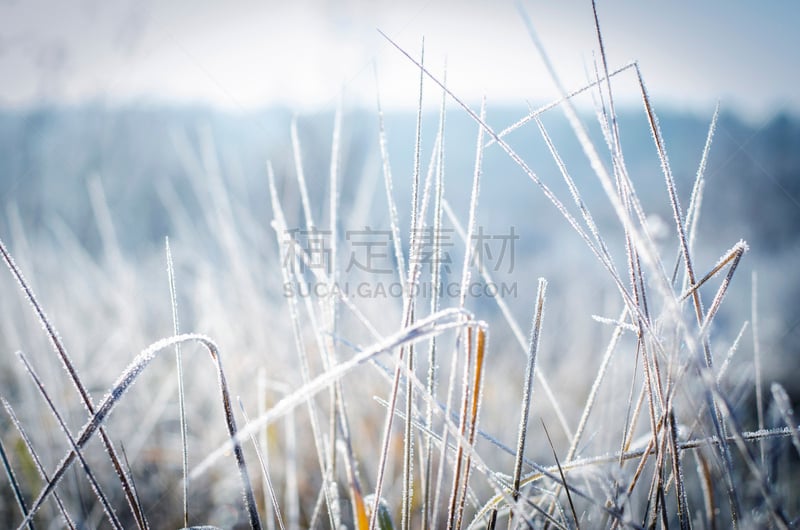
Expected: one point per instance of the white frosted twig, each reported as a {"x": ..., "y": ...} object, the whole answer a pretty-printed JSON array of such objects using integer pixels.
[
  {"x": 757, "y": 361},
  {"x": 422, "y": 329},
  {"x": 417, "y": 217},
  {"x": 735, "y": 346},
  {"x": 387, "y": 180},
  {"x": 301, "y": 175},
  {"x": 533, "y": 114},
  {"x": 615, "y": 323},
  {"x": 473, "y": 205},
  {"x": 785, "y": 408},
  {"x": 527, "y": 393},
  {"x": 735, "y": 254},
  {"x": 435, "y": 295}
]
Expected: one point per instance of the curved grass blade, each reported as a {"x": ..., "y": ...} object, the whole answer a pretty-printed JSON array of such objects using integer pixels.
[
  {"x": 118, "y": 390},
  {"x": 423, "y": 329},
  {"x": 66, "y": 361}
]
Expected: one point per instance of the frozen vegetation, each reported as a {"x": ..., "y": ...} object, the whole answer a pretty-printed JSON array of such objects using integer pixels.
[{"x": 616, "y": 346}]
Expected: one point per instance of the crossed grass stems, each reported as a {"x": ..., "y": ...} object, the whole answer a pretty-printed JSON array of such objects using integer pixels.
[{"x": 673, "y": 365}]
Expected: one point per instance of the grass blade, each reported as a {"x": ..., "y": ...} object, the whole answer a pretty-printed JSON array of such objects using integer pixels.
[
  {"x": 173, "y": 294},
  {"x": 264, "y": 470},
  {"x": 787, "y": 414},
  {"x": 118, "y": 390},
  {"x": 37, "y": 462},
  {"x": 61, "y": 351},
  {"x": 527, "y": 392},
  {"x": 109, "y": 510},
  {"x": 23, "y": 508},
  {"x": 757, "y": 360},
  {"x": 563, "y": 478},
  {"x": 477, "y": 393}
]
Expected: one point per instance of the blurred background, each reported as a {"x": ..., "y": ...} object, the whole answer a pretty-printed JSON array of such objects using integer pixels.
[{"x": 124, "y": 94}]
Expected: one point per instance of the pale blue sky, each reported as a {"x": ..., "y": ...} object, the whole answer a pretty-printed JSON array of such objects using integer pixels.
[{"x": 246, "y": 53}]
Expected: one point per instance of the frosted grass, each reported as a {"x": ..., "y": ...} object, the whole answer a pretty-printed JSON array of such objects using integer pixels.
[{"x": 647, "y": 392}]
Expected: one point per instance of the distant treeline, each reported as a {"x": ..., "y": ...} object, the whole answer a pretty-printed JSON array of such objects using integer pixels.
[{"x": 143, "y": 154}]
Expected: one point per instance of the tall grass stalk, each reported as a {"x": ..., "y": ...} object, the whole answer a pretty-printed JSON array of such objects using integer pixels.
[
  {"x": 265, "y": 471},
  {"x": 436, "y": 274},
  {"x": 176, "y": 327},
  {"x": 527, "y": 392}
]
